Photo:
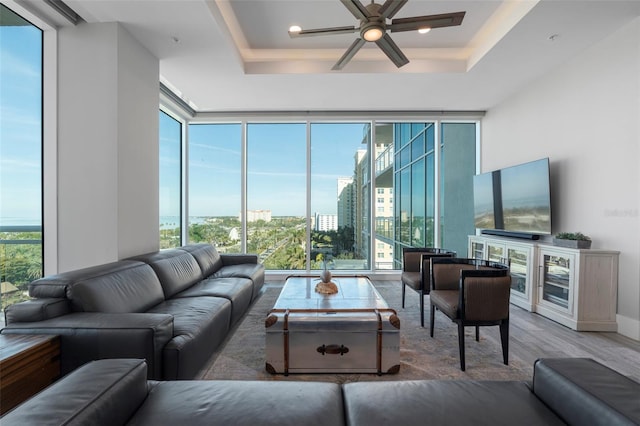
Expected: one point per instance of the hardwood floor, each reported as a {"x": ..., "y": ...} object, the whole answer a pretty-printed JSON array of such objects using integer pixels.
[{"x": 533, "y": 336}]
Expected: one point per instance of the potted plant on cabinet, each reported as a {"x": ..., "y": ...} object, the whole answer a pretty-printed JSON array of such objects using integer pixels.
[{"x": 572, "y": 240}]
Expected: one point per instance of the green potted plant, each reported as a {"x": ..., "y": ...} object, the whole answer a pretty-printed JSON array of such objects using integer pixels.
[{"x": 572, "y": 239}]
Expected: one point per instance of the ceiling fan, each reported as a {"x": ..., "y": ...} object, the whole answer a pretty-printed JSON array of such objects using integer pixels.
[{"x": 373, "y": 27}]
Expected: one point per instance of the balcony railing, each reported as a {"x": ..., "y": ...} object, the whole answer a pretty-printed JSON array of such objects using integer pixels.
[
  {"x": 384, "y": 160},
  {"x": 20, "y": 262}
]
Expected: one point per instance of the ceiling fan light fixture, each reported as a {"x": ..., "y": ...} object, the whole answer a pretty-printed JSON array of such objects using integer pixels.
[
  {"x": 373, "y": 33},
  {"x": 424, "y": 30}
]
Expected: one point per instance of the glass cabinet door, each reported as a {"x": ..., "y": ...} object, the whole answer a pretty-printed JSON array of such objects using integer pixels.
[
  {"x": 496, "y": 253},
  {"x": 556, "y": 280},
  {"x": 519, "y": 265},
  {"x": 477, "y": 249}
]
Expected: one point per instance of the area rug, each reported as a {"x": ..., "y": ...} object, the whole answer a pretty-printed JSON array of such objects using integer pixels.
[{"x": 242, "y": 355}]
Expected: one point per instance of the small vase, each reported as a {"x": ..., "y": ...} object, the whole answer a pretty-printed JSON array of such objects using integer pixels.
[{"x": 325, "y": 276}]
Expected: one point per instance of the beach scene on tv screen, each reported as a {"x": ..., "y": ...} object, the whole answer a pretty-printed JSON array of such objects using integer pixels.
[
  {"x": 526, "y": 198},
  {"x": 483, "y": 201}
]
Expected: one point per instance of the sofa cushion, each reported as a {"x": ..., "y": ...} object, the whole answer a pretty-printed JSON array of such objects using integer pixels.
[
  {"x": 55, "y": 286},
  {"x": 200, "y": 324},
  {"x": 237, "y": 290},
  {"x": 177, "y": 270},
  {"x": 36, "y": 310},
  {"x": 242, "y": 403},
  {"x": 584, "y": 392},
  {"x": 132, "y": 289},
  {"x": 105, "y": 392},
  {"x": 438, "y": 402},
  {"x": 86, "y": 336},
  {"x": 253, "y": 271},
  {"x": 207, "y": 257}
]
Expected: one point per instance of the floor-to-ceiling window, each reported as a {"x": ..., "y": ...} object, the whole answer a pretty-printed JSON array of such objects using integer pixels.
[
  {"x": 277, "y": 194},
  {"x": 21, "y": 257},
  {"x": 414, "y": 170},
  {"x": 215, "y": 191},
  {"x": 347, "y": 194},
  {"x": 170, "y": 181},
  {"x": 339, "y": 234}
]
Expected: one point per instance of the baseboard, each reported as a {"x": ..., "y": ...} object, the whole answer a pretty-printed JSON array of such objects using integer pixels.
[{"x": 628, "y": 327}]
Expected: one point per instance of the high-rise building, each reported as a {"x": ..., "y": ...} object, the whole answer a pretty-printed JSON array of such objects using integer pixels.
[
  {"x": 256, "y": 215},
  {"x": 326, "y": 222},
  {"x": 345, "y": 202}
]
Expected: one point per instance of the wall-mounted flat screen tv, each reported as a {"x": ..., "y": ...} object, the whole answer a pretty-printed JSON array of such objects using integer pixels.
[{"x": 514, "y": 199}]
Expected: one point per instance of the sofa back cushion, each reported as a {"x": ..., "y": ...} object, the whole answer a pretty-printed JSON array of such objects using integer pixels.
[
  {"x": 581, "y": 391},
  {"x": 207, "y": 257},
  {"x": 55, "y": 286},
  {"x": 132, "y": 289},
  {"x": 105, "y": 392},
  {"x": 176, "y": 269}
]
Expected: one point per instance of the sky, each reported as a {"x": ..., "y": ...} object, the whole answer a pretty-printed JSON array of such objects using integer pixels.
[
  {"x": 276, "y": 166},
  {"x": 276, "y": 153},
  {"x": 20, "y": 125}
]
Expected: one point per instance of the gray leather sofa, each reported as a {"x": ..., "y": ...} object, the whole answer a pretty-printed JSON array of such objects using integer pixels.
[
  {"x": 116, "y": 392},
  {"x": 172, "y": 307}
]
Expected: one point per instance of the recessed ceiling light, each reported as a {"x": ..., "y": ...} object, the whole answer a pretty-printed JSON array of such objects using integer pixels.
[
  {"x": 295, "y": 29},
  {"x": 424, "y": 30}
]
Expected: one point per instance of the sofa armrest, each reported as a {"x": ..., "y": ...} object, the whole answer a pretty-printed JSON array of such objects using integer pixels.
[
  {"x": 36, "y": 310},
  {"x": 582, "y": 391},
  {"x": 237, "y": 259},
  {"x": 87, "y": 336},
  {"x": 105, "y": 392}
]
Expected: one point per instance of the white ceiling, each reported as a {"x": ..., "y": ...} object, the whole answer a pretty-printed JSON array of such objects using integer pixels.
[{"x": 236, "y": 55}]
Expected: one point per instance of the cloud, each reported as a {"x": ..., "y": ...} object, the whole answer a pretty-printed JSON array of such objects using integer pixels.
[
  {"x": 14, "y": 65},
  {"x": 19, "y": 118},
  {"x": 214, "y": 148},
  {"x": 17, "y": 164},
  {"x": 279, "y": 174}
]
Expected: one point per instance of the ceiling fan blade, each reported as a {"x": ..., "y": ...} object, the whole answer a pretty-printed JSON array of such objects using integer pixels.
[
  {"x": 322, "y": 31},
  {"x": 429, "y": 21},
  {"x": 356, "y": 8},
  {"x": 392, "y": 51},
  {"x": 351, "y": 51},
  {"x": 391, "y": 7}
]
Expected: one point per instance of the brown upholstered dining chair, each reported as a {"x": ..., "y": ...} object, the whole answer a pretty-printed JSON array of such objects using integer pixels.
[
  {"x": 471, "y": 292},
  {"x": 416, "y": 271}
]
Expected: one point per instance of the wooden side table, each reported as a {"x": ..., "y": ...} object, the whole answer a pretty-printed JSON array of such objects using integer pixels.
[{"x": 28, "y": 364}]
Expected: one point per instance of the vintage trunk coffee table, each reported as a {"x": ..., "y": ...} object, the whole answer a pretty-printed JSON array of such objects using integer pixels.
[{"x": 352, "y": 331}]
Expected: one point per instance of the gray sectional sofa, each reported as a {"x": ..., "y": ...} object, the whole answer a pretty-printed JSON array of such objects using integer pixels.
[
  {"x": 113, "y": 392},
  {"x": 172, "y": 308}
]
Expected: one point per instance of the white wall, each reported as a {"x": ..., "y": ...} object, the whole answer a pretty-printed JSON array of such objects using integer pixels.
[
  {"x": 585, "y": 116},
  {"x": 107, "y": 146},
  {"x": 138, "y": 149}
]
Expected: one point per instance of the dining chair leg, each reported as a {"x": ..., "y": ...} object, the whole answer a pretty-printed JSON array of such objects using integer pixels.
[
  {"x": 421, "y": 294},
  {"x": 461, "y": 344},
  {"x": 404, "y": 286},
  {"x": 477, "y": 333},
  {"x": 504, "y": 339},
  {"x": 432, "y": 314}
]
